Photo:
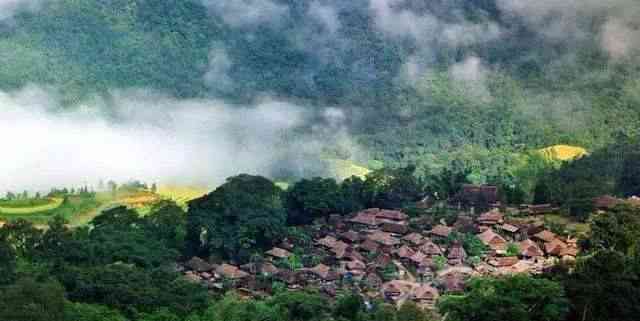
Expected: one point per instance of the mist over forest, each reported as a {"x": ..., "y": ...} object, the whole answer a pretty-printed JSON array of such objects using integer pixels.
[{"x": 207, "y": 89}]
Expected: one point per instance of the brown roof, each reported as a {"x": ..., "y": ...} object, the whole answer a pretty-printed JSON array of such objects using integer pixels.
[
  {"x": 454, "y": 282},
  {"x": 384, "y": 238},
  {"x": 414, "y": 238},
  {"x": 356, "y": 265},
  {"x": 606, "y": 202},
  {"x": 509, "y": 228},
  {"x": 398, "y": 287},
  {"x": 504, "y": 261},
  {"x": 369, "y": 246},
  {"x": 569, "y": 251},
  {"x": 492, "y": 240},
  {"x": 395, "y": 227},
  {"x": 366, "y": 217},
  {"x": 340, "y": 249},
  {"x": 540, "y": 208},
  {"x": 440, "y": 230},
  {"x": 475, "y": 194},
  {"x": 456, "y": 252},
  {"x": 418, "y": 257},
  {"x": 392, "y": 215},
  {"x": 493, "y": 216},
  {"x": 278, "y": 253},
  {"x": 383, "y": 260},
  {"x": 231, "y": 272},
  {"x": 327, "y": 241},
  {"x": 199, "y": 265},
  {"x": 324, "y": 272},
  {"x": 269, "y": 268},
  {"x": 405, "y": 252},
  {"x": 529, "y": 248},
  {"x": 545, "y": 236},
  {"x": 555, "y": 247},
  {"x": 430, "y": 248},
  {"x": 350, "y": 236},
  {"x": 425, "y": 292}
]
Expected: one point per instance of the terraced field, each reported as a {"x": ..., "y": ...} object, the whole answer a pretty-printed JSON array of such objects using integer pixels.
[
  {"x": 9, "y": 209},
  {"x": 563, "y": 152},
  {"x": 181, "y": 194}
]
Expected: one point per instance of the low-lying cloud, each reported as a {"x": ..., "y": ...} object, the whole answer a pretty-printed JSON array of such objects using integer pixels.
[{"x": 153, "y": 138}]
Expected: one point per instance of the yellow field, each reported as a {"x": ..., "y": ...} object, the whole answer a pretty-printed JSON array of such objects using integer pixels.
[
  {"x": 140, "y": 199},
  {"x": 563, "y": 152},
  {"x": 181, "y": 194},
  {"x": 53, "y": 204}
]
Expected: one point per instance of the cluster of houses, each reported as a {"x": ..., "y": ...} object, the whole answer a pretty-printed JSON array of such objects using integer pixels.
[{"x": 385, "y": 254}]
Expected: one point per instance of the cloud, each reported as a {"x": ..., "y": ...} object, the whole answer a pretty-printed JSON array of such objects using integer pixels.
[
  {"x": 326, "y": 14},
  {"x": 217, "y": 76},
  {"x": 395, "y": 19},
  {"x": 243, "y": 13},
  {"x": 620, "y": 39},
  {"x": 471, "y": 75},
  {"x": 155, "y": 138},
  {"x": 9, "y": 7}
]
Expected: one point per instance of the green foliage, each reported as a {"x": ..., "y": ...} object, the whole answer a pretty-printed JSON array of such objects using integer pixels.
[
  {"x": 409, "y": 311},
  {"x": 301, "y": 306},
  {"x": 32, "y": 300},
  {"x": 470, "y": 242},
  {"x": 349, "y": 307},
  {"x": 90, "y": 312},
  {"x": 311, "y": 198},
  {"x": 617, "y": 229},
  {"x": 518, "y": 297},
  {"x": 604, "y": 287},
  {"x": 439, "y": 262},
  {"x": 7, "y": 260},
  {"x": 393, "y": 188},
  {"x": 513, "y": 249},
  {"x": 242, "y": 215}
]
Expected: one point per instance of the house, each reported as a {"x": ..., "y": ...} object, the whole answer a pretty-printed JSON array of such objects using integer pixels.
[
  {"x": 539, "y": 209},
  {"x": 350, "y": 236},
  {"x": 405, "y": 252},
  {"x": 477, "y": 195},
  {"x": 545, "y": 236},
  {"x": 397, "y": 290},
  {"x": 555, "y": 247},
  {"x": 456, "y": 255},
  {"x": 440, "y": 231},
  {"x": 494, "y": 241},
  {"x": 490, "y": 218},
  {"x": 425, "y": 294},
  {"x": 606, "y": 202},
  {"x": 370, "y": 246},
  {"x": 500, "y": 262},
  {"x": 453, "y": 282},
  {"x": 384, "y": 238},
  {"x": 327, "y": 242},
  {"x": 430, "y": 249},
  {"x": 366, "y": 218},
  {"x": 391, "y": 216},
  {"x": 509, "y": 229},
  {"x": 278, "y": 253},
  {"x": 231, "y": 272},
  {"x": 198, "y": 265},
  {"x": 319, "y": 272},
  {"x": 414, "y": 239},
  {"x": 395, "y": 227},
  {"x": 530, "y": 249},
  {"x": 418, "y": 258}
]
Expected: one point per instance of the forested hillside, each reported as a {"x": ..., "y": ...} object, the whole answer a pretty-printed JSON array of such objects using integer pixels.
[{"x": 475, "y": 82}]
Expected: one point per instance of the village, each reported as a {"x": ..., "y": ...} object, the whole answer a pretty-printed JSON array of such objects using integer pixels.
[{"x": 386, "y": 255}]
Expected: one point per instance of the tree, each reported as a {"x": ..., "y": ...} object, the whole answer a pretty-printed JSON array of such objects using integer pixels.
[
  {"x": 168, "y": 222},
  {"x": 393, "y": 188},
  {"x": 349, "y": 307},
  {"x": 31, "y": 300},
  {"x": 90, "y": 312},
  {"x": 513, "y": 249},
  {"x": 7, "y": 260},
  {"x": 23, "y": 236},
  {"x": 616, "y": 229},
  {"x": 409, "y": 311},
  {"x": 519, "y": 297},
  {"x": 242, "y": 215},
  {"x": 352, "y": 195},
  {"x": 311, "y": 198},
  {"x": 604, "y": 287},
  {"x": 301, "y": 306}
]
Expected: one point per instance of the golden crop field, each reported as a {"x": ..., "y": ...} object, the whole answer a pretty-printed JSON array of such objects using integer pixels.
[
  {"x": 181, "y": 194},
  {"x": 344, "y": 169},
  {"x": 563, "y": 152}
]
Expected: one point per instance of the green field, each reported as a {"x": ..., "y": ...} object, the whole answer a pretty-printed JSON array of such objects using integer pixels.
[{"x": 31, "y": 206}]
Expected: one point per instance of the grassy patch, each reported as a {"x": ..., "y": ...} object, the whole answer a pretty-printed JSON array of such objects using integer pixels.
[
  {"x": 181, "y": 194},
  {"x": 29, "y": 206},
  {"x": 562, "y": 152}
]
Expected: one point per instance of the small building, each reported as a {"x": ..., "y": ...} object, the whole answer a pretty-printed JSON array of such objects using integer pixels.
[
  {"x": 491, "y": 218},
  {"x": 494, "y": 241},
  {"x": 456, "y": 255},
  {"x": 440, "y": 231},
  {"x": 415, "y": 239},
  {"x": 555, "y": 247},
  {"x": 425, "y": 295},
  {"x": 430, "y": 249},
  {"x": 545, "y": 236},
  {"x": 278, "y": 253},
  {"x": 530, "y": 249}
]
